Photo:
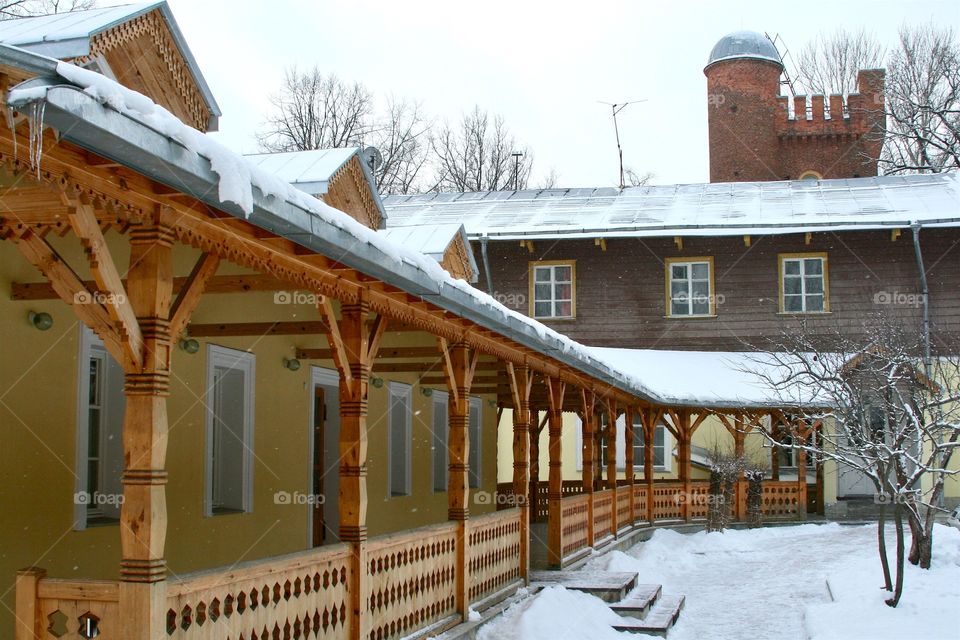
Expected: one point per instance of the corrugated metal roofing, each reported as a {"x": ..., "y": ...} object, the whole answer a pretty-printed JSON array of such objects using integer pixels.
[
  {"x": 432, "y": 239},
  {"x": 731, "y": 208},
  {"x": 68, "y": 26},
  {"x": 309, "y": 171}
]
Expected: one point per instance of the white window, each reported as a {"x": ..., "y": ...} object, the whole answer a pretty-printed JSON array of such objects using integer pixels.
[
  {"x": 476, "y": 441},
  {"x": 661, "y": 461},
  {"x": 229, "y": 431},
  {"x": 439, "y": 440},
  {"x": 690, "y": 287},
  {"x": 553, "y": 290},
  {"x": 804, "y": 284},
  {"x": 398, "y": 438},
  {"x": 99, "y": 434}
]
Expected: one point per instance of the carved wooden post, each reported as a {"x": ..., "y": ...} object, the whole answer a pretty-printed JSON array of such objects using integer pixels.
[
  {"x": 143, "y": 516},
  {"x": 739, "y": 434},
  {"x": 521, "y": 380},
  {"x": 588, "y": 418},
  {"x": 650, "y": 418},
  {"x": 801, "y": 433},
  {"x": 628, "y": 459},
  {"x": 27, "y": 606},
  {"x": 555, "y": 391},
  {"x": 459, "y": 367},
  {"x": 354, "y": 344},
  {"x": 534, "y": 433},
  {"x": 774, "y": 451},
  {"x": 611, "y": 408}
]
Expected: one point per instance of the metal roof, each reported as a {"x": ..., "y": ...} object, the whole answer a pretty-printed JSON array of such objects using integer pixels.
[
  {"x": 730, "y": 208},
  {"x": 432, "y": 240},
  {"x": 67, "y": 35},
  {"x": 744, "y": 44}
]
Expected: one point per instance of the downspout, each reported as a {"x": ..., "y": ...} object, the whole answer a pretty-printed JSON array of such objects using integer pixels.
[
  {"x": 486, "y": 263},
  {"x": 924, "y": 291}
]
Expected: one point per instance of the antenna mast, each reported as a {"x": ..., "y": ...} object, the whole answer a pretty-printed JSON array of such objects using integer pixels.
[{"x": 614, "y": 110}]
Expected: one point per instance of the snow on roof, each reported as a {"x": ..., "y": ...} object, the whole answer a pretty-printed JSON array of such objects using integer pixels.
[
  {"x": 245, "y": 184},
  {"x": 310, "y": 171},
  {"x": 732, "y": 208},
  {"x": 432, "y": 240},
  {"x": 67, "y": 35},
  {"x": 73, "y": 25},
  {"x": 711, "y": 377}
]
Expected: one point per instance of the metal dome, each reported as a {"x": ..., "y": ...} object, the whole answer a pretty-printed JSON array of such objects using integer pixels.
[{"x": 744, "y": 44}]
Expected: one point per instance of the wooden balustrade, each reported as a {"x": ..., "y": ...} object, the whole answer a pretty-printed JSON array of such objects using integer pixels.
[
  {"x": 298, "y": 595},
  {"x": 780, "y": 499},
  {"x": 699, "y": 499},
  {"x": 412, "y": 580},
  {"x": 640, "y": 502},
  {"x": 576, "y": 513},
  {"x": 602, "y": 514},
  {"x": 623, "y": 509},
  {"x": 493, "y": 553},
  {"x": 50, "y": 608},
  {"x": 667, "y": 505}
]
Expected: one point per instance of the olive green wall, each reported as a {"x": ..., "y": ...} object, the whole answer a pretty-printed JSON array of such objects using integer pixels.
[{"x": 38, "y": 419}]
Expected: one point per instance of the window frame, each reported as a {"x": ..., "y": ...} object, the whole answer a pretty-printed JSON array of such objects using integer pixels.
[
  {"x": 638, "y": 449},
  {"x": 400, "y": 389},
  {"x": 440, "y": 398},
  {"x": 475, "y": 474},
  {"x": 668, "y": 265},
  {"x": 246, "y": 361},
  {"x": 782, "y": 259},
  {"x": 531, "y": 277}
]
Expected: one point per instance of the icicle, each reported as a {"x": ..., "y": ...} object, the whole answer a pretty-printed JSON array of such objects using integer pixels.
[
  {"x": 37, "y": 110},
  {"x": 12, "y": 125}
]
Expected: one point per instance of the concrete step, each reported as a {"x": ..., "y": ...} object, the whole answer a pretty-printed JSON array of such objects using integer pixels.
[
  {"x": 639, "y": 604},
  {"x": 606, "y": 585},
  {"x": 662, "y": 616}
]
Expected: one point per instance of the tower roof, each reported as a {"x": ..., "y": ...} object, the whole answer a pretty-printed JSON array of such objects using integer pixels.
[{"x": 744, "y": 44}]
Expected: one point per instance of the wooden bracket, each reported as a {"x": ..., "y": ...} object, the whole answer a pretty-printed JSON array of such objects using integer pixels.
[
  {"x": 894, "y": 234},
  {"x": 528, "y": 245},
  {"x": 325, "y": 306},
  {"x": 190, "y": 294},
  {"x": 600, "y": 242},
  {"x": 807, "y": 238},
  {"x": 678, "y": 240}
]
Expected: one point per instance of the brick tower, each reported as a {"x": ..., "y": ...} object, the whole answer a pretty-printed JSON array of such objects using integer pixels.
[{"x": 758, "y": 135}]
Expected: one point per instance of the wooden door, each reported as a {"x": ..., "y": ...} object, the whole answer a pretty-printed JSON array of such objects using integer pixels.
[{"x": 319, "y": 417}]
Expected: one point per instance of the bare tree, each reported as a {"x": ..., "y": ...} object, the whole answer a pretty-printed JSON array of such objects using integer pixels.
[
  {"x": 478, "y": 154},
  {"x": 923, "y": 102},
  {"x": 887, "y": 420},
  {"x": 317, "y": 111},
  {"x": 829, "y": 64},
  {"x": 24, "y": 8}
]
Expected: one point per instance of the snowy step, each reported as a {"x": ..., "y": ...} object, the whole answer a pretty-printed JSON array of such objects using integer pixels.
[
  {"x": 638, "y": 605},
  {"x": 606, "y": 585},
  {"x": 663, "y": 616}
]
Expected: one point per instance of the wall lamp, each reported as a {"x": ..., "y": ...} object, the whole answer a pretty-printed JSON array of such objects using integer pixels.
[
  {"x": 426, "y": 392},
  {"x": 189, "y": 345},
  {"x": 41, "y": 320},
  {"x": 291, "y": 363},
  {"x": 376, "y": 382}
]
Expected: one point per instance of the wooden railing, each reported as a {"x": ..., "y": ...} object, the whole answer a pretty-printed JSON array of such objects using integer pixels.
[
  {"x": 666, "y": 504},
  {"x": 780, "y": 499},
  {"x": 299, "y": 595},
  {"x": 623, "y": 507},
  {"x": 412, "y": 577},
  {"x": 602, "y": 514},
  {"x": 640, "y": 502},
  {"x": 493, "y": 553},
  {"x": 699, "y": 499},
  {"x": 575, "y": 517},
  {"x": 62, "y": 608}
]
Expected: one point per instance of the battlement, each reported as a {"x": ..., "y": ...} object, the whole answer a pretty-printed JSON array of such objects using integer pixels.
[{"x": 819, "y": 115}]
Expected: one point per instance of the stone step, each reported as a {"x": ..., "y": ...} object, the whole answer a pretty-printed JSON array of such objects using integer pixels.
[
  {"x": 639, "y": 604},
  {"x": 663, "y": 616},
  {"x": 606, "y": 585}
]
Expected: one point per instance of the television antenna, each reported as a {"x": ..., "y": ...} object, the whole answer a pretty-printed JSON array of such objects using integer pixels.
[{"x": 616, "y": 108}]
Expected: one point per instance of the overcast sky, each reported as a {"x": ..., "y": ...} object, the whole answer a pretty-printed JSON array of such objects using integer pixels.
[{"x": 542, "y": 65}]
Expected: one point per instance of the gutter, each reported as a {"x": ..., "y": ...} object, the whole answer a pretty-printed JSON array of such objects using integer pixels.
[
  {"x": 925, "y": 292},
  {"x": 486, "y": 263}
]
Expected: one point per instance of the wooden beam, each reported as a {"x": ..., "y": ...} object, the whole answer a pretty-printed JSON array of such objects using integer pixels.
[
  {"x": 340, "y": 355},
  {"x": 216, "y": 284},
  {"x": 189, "y": 297},
  {"x": 234, "y": 329},
  {"x": 678, "y": 240},
  {"x": 85, "y": 226},
  {"x": 71, "y": 290}
]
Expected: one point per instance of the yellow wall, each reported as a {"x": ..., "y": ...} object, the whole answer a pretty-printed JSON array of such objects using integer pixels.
[{"x": 38, "y": 415}]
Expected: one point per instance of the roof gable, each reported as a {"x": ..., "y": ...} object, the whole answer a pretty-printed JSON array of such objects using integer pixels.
[
  {"x": 445, "y": 243},
  {"x": 140, "y": 46}
]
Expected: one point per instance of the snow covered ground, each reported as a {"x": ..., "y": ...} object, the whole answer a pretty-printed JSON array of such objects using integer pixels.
[{"x": 758, "y": 584}]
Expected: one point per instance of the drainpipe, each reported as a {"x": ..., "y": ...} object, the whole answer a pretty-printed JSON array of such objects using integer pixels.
[
  {"x": 486, "y": 263},
  {"x": 927, "y": 360}
]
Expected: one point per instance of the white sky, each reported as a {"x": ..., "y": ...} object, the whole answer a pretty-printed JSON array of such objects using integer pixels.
[{"x": 542, "y": 65}]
